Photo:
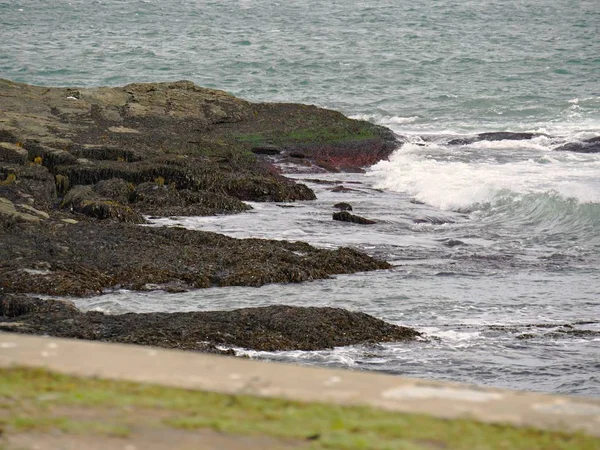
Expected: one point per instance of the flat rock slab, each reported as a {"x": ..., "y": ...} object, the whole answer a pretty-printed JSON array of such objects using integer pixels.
[{"x": 238, "y": 376}]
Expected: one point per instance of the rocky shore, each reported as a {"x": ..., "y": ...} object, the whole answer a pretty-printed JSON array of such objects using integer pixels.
[
  {"x": 81, "y": 168},
  {"x": 269, "y": 328}
]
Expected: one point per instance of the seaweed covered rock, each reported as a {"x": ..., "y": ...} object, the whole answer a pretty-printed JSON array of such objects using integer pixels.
[
  {"x": 269, "y": 328},
  {"x": 73, "y": 127},
  {"x": 80, "y": 167},
  {"x": 32, "y": 183},
  {"x": 115, "y": 189},
  {"x": 84, "y": 200},
  {"x": 12, "y": 153},
  {"x": 88, "y": 257},
  {"x": 158, "y": 199},
  {"x": 12, "y": 306}
]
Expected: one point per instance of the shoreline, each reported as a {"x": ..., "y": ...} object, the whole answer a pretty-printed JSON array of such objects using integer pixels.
[{"x": 79, "y": 169}]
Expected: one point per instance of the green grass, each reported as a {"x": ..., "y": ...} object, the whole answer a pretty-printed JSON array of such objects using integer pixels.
[
  {"x": 25, "y": 423},
  {"x": 31, "y": 397}
]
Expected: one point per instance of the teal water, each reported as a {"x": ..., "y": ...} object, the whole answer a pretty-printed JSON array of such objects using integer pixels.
[
  {"x": 437, "y": 64},
  {"x": 495, "y": 244}
]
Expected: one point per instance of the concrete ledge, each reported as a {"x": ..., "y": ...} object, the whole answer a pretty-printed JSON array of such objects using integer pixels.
[{"x": 239, "y": 376}]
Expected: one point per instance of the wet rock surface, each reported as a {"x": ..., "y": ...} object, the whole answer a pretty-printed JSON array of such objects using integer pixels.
[
  {"x": 91, "y": 256},
  {"x": 343, "y": 206},
  {"x": 591, "y": 145},
  {"x": 493, "y": 136},
  {"x": 269, "y": 328},
  {"x": 345, "y": 216}
]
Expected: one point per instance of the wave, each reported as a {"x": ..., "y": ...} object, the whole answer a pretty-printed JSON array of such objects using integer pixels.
[
  {"x": 455, "y": 178},
  {"x": 517, "y": 182},
  {"x": 544, "y": 214}
]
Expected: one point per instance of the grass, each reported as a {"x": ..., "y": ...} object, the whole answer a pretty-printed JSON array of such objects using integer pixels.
[{"x": 34, "y": 399}]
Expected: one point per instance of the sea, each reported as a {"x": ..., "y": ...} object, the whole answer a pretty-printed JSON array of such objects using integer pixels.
[{"x": 495, "y": 245}]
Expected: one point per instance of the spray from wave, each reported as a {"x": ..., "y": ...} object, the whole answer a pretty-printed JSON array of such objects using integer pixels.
[{"x": 524, "y": 183}]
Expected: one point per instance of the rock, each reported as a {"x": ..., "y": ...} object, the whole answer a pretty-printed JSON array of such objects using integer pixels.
[
  {"x": 271, "y": 328},
  {"x": 83, "y": 200},
  {"x": 20, "y": 305},
  {"x": 12, "y": 153},
  {"x": 319, "y": 181},
  {"x": 158, "y": 199},
  {"x": 31, "y": 209},
  {"x": 432, "y": 220},
  {"x": 266, "y": 149},
  {"x": 9, "y": 212},
  {"x": 341, "y": 188},
  {"x": 109, "y": 155},
  {"x": 586, "y": 146},
  {"x": 343, "y": 206},
  {"x": 453, "y": 243},
  {"x": 345, "y": 216},
  {"x": 494, "y": 136},
  {"x": 105, "y": 254}
]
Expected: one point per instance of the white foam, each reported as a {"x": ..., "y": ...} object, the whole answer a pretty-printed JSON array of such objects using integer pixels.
[
  {"x": 451, "y": 179},
  {"x": 386, "y": 120},
  {"x": 395, "y": 120},
  {"x": 540, "y": 144},
  {"x": 451, "y": 335}
]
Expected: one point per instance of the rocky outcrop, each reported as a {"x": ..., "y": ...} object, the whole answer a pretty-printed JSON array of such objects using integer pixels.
[
  {"x": 269, "y": 328},
  {"x": 80, "y": 167}
]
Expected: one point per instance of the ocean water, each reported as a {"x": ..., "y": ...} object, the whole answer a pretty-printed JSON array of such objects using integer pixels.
[{"x": 495, "y": 245}]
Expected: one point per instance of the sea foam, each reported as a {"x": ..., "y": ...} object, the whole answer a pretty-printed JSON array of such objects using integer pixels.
[{"x": 460, "y": 179}]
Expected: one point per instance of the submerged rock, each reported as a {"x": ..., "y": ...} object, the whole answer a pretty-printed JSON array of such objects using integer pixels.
[
  {"x": 586, "y": 146},
  {"x": 342, "y": 188},
  {"x": 343, "y": 206},
  {"x": 494, "y": 136},
  {"x": 270, "y": 328},
  {"x": 345, "y": 216}
]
